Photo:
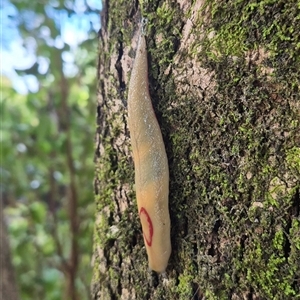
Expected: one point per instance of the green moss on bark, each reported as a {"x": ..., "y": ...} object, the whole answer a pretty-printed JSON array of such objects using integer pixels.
[{"x": 233, "y": 150}]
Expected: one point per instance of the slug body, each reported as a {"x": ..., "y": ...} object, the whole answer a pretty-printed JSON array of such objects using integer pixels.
[{"x": 150, "y": 163}]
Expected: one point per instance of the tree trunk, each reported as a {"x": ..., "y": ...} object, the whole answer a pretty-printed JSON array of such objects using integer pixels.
[
  {"x": 224, "y": 81},
  {"x": 8, "y": 284}
]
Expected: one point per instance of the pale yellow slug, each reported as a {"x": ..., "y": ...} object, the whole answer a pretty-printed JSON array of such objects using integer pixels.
[{"x": 150, "y": 163}]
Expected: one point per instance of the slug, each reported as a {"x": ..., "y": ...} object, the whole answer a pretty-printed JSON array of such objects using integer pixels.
[{"x": 150, "y": 164}]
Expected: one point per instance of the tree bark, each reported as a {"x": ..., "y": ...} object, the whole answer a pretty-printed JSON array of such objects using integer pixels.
[{"x": 224, "y": 81}]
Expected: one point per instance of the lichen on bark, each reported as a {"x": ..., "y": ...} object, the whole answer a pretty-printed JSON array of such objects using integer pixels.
[{"x": 224, "y": 80}]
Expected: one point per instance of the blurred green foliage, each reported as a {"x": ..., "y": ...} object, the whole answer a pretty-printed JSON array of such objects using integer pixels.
[{"x": 47, "y": 152}]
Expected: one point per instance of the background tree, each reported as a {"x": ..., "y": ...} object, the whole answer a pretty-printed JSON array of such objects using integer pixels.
[
  {"x": 224, "y": 80},
  {"x": 47, "y": 136},
  {"x": 9, "y": 289}
]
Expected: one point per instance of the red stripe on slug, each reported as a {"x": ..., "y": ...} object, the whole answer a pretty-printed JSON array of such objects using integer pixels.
[{"x": 147, "y": 226}]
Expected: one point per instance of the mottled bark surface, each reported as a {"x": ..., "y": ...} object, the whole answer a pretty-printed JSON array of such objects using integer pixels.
[{"x": 224, "y": 80}]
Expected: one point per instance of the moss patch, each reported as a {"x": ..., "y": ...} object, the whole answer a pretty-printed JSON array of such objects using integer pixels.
[{"x": 233, "y": 151}]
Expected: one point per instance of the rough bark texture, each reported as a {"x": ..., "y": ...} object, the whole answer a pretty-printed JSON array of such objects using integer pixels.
[{"x": 224, "y": 79}]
